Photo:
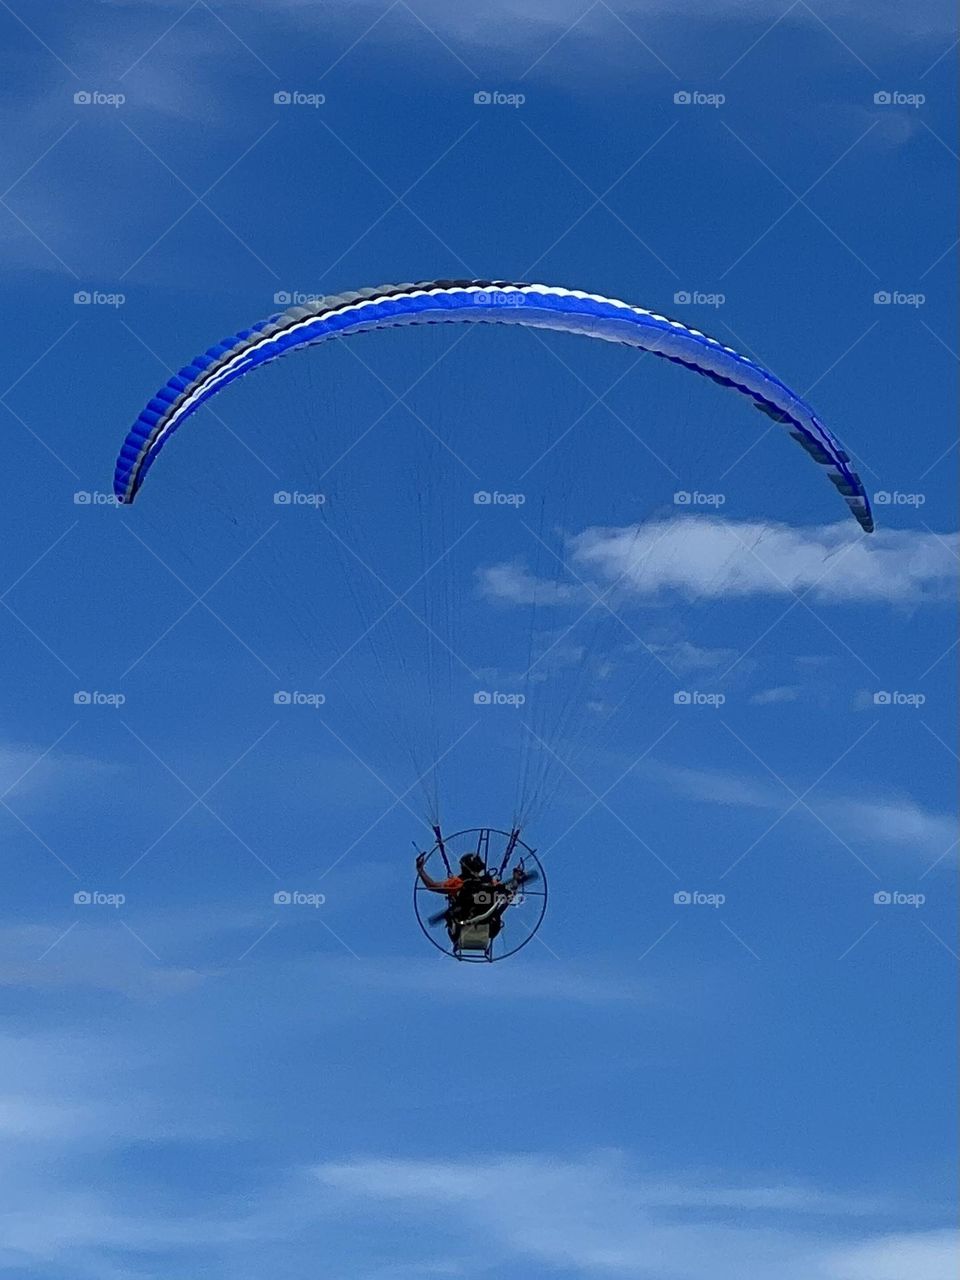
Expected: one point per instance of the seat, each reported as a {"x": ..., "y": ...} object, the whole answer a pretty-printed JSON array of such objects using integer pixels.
[{"x": 474, "y": 937}]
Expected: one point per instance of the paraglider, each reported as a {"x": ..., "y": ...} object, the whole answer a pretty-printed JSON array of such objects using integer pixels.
[
  {"x": 479, "y": 301},
  {"x": 493, "y": 882}
]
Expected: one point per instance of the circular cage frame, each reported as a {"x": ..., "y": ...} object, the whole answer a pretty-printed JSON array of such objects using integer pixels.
[{"x": 514, "y": 850}]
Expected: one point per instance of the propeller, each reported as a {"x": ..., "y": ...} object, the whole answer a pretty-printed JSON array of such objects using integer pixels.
[{"x": 529, "y": 877}]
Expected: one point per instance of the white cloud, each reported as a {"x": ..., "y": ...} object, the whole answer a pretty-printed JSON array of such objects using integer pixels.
[
  {"x": 23, "y": 1120},
  {"x": 715, "y": 787},
  {"x": 597, "y": 1216},
  {"x": 896, "y": 822},
  {"x": 930, "y": 1255},
  {"x": 706, "y": 557},
  {"x": 542, "y": 982},
  {"x": 531, "y": 21},
  {"x": 109, "y": 966},
  {"x": 513, "y": 584},
  {"x": 560, "y": 16},
  {"x": 684, "y": 656},
  {"x": 36, "y": 771},
  {"x": 782, "y": 693}
]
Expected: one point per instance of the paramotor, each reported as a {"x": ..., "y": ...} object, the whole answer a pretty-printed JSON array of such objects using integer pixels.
[{"x": 499, "y": 913}]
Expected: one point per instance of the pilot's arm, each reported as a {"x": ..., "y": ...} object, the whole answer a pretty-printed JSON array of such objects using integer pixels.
[{"x": 436, "y": 886}]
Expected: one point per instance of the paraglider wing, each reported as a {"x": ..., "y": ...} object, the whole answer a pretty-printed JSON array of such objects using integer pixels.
[{"x": 477, "y": 301}]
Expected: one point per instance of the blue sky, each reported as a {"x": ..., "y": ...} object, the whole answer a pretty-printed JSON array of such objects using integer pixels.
[{"x": 198, "y": 1081}]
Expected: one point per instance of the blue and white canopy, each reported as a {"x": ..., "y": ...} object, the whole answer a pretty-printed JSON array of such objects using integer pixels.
[{"x": 479, "y": 301}]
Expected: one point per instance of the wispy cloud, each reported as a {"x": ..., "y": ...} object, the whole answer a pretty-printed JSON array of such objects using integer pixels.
[
  {"x": 36, "y": 771},
  {"x": 598, "y": 1216},
  {"x": 898, "y": 822},
  {"x": 514, "y": 584},
  {"x": 781, "y": 693},
  {"x": 682, "y": 655},
  {"x": 531, "y": 20},
  {"x": 925, "y": 1255},
  {"x": 705, "y": 558}
]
